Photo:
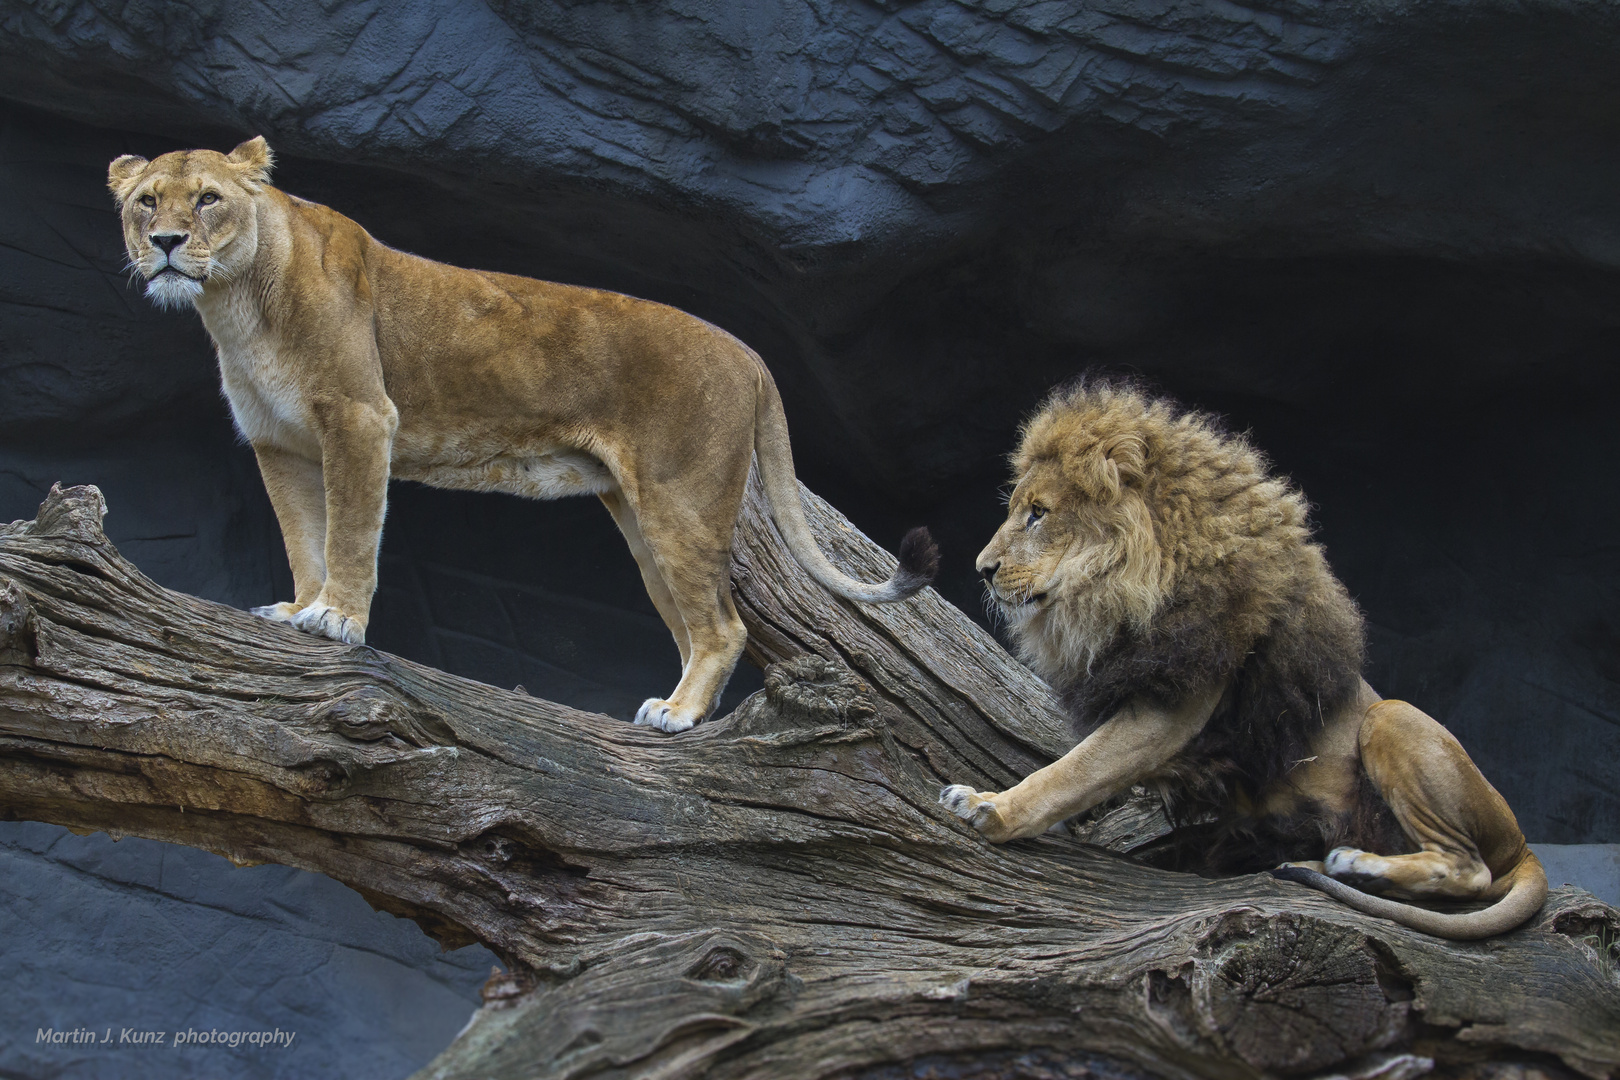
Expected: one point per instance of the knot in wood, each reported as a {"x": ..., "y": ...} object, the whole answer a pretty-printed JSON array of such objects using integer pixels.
[
  {"x": 73, "y": 513},
  {"x": 16, "y": 624},
  {"x": 812, "y": 691},
  {"x": 372, "y": 714},
  {"x": 1291, "y": 994}
]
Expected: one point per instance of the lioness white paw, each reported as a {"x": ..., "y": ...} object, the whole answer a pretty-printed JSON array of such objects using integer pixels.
[
  {"x": 664, "y": 715},
  {"x": 975, "y": 809},
  {"x": 330, "y": 622},
  {"x": 282, "y": 612}
]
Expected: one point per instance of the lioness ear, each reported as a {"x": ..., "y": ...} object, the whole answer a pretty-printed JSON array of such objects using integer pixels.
[
  {"x": 122, "y": 172},
  {"x": 253, "y": 160}
]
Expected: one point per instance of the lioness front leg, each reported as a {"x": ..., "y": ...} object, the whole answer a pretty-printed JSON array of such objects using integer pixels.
[
  {"x": 1131, "y": 745},
  {"x": 356, "y": 441},
  {"x": 298, "y": 495}
]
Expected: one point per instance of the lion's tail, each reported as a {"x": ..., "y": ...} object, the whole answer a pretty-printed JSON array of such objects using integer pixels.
[
  {"x": 1524, "y": 898},
  {"x": 919, "y": 558}
]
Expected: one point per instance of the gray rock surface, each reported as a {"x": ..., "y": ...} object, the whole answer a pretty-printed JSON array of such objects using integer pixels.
[
  {"x": 1382, "y": 236},
  {"x": 1594, "y": 867},
  {"x": 138, "y": 936}
]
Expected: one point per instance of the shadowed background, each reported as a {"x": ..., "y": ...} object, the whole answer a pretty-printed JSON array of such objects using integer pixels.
[{"x": 1384, "y": 238}]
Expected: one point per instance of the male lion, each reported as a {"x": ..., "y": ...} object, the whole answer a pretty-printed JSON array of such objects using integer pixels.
[
  {"x": 347, "y": 362},
  {"x": 1154, "y": 573}
]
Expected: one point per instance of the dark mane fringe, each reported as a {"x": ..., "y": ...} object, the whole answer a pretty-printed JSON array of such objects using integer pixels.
[{"x": 1282, "y": 681}]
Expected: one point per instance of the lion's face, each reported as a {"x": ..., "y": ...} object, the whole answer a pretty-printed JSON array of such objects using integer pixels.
[
  {"x": 189, "y": 216},
  {"x": 1077, "y": 557}
]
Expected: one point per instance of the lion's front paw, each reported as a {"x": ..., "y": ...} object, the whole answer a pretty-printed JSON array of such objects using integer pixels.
[
  {"x": 331, "y": 623},
  {"x": 282, "y": 612},
  {"x": 975, "y": 808},
  {"x": 665, "y": 716}
]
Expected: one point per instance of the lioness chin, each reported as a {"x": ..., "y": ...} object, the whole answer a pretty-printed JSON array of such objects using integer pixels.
[
  {"x": 346, "y": 363},
  {"x": 1155, "y": 573}
]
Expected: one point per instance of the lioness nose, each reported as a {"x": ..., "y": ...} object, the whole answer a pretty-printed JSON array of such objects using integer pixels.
[
  {"x": 169, "y": 241},
  {"x": 989, "y": 572}
]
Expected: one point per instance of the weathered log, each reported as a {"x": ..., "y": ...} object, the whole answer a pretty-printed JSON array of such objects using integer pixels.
[{"x": 775, "y": 893}]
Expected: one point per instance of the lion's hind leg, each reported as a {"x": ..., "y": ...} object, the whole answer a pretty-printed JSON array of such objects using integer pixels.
[{"x": 1467, "y": 838}]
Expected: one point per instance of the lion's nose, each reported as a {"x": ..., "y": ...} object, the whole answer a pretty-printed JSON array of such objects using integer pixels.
[
  {"x": 169, "y": 241},
  {"x": 989, "y": 572}
]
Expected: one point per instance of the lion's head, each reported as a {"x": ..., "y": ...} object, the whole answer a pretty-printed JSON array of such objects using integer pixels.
[
  {"x": 189, "y": 216},
  {"x": 1118, "y": 498}
]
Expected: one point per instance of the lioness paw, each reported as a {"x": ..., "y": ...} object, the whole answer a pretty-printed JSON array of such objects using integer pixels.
[
  {"x": 331, "y": 623},
  {"x": 282, "y": 612},
  {"x": 665, "y": 716}
]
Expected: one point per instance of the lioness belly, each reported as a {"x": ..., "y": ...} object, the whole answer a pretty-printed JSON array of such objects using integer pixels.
[{"x": 552, "y": 474}]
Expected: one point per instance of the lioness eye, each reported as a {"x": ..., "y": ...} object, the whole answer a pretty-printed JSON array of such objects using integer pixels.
[
  {"x": 148, "y": 200},
  {"x": 209, "y": 199},
  {"x": 1036, "y": 512}
]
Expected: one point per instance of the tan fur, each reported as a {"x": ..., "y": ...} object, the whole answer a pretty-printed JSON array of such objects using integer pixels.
[
  {"x": 346, "y": 363},
  {"x": 1145, "y": 541}
]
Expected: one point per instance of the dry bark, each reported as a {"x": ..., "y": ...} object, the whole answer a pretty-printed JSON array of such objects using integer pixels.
[{"x": 774, "y": 893}]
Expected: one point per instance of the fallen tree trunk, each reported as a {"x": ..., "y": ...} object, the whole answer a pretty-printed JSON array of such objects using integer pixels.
[{"x": 774, "y": 893}]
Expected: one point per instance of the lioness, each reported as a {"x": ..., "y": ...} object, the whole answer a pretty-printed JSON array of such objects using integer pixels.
[
  {"x": 1167, "y": 586},
  {"x": 347, "y": 362}
]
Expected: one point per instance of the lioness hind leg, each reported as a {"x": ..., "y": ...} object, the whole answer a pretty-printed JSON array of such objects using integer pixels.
[
  {"x": 718, "y": 637},
  {"x": 687, "y": 532},
  {"x": 1467, "y": 836},
  {"x": 651, "y": 577}
]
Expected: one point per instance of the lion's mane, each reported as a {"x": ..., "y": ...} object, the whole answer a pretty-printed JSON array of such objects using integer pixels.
[{"x": 1208, "y": 572}]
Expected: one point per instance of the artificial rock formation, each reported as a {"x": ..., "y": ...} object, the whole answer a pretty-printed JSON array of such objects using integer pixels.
[{"x": 773, "y": 893}]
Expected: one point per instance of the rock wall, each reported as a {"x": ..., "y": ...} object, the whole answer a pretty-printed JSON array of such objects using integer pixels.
[{"x": 1385, "y": 237}]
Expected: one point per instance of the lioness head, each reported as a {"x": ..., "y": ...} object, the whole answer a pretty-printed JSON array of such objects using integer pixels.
[
  {"x": 1078, "y": 556},
  {"x": 189, "y": 216}
]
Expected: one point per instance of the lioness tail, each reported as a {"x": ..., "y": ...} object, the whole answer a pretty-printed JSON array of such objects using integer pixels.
[
  {"x": 919, "y": 558},
  {"x": 1524, "y": 898}
]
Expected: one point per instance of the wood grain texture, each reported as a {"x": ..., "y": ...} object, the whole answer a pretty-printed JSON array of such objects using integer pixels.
[{"x": 775, "y": 893}]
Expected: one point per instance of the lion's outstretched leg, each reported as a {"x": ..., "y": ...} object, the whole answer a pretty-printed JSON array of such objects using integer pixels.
[
  {"x": 1470, "y": 843},
  {"x": 1131, "y": 745},
  {"x": 298, "y": 496}
]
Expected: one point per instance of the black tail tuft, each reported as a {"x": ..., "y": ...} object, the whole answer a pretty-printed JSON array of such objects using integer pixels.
[{"x": 919, "y": 561}]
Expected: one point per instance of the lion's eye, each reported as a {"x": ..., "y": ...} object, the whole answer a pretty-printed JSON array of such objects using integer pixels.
[
  {"x": 148, "y": 201},
  {"x": 208, "y": 199},
  {"x": 1036, "y": 512}
]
